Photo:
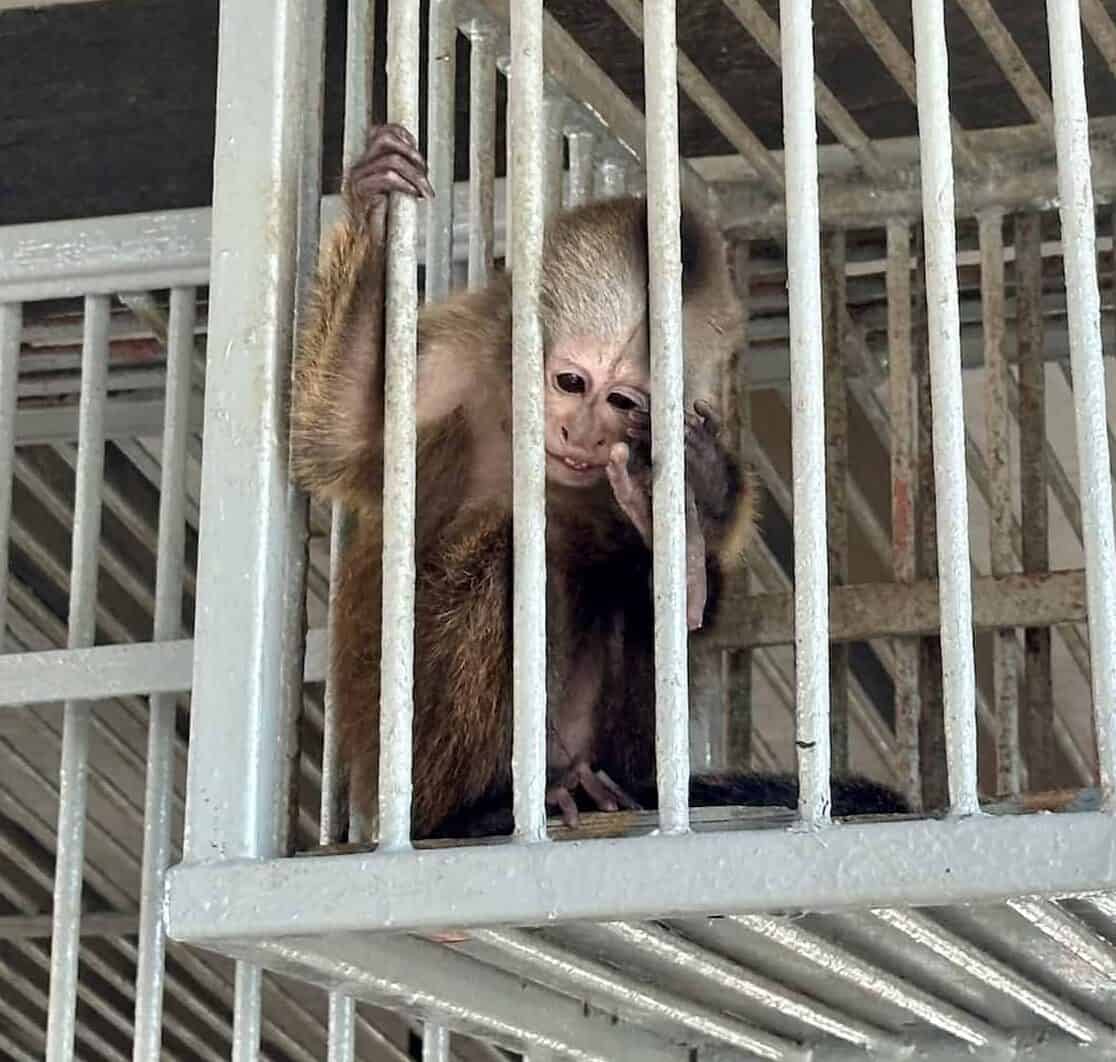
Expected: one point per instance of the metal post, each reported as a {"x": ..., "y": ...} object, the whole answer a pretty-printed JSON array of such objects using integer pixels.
[
  {"x": 435, "y": 1043},
  {"x": 554, "y": 110},
  {"x": 1004, "y": 678},
  {"x": 959, "y": 677},
  {"x": 482, "y": 156},
  {"x": 672, "y": 744},
  {"x": 401, "y": 318},
  {"x": 11, "y": 326},
  {"x": 580, "y": 145},
  {"x": 1037, "y": 725},
  {"x": 1079, "y": 240},
  {"x": 811, "y": 592},
  {"x": 612, "y": 178},
  {"x": 834, "y": 302},
  {"x": 230, "y": 809},
  {"x": 903, "y": 489},
  {"x": 65, "y": 939},
  {"x": 441, "y": 69},
  {"x": 525, "y": 118},
  {"x": 161, "y": 726}
]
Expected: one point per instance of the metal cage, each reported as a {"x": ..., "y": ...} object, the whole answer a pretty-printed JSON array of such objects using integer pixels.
[{"x": 877, "y": 276}]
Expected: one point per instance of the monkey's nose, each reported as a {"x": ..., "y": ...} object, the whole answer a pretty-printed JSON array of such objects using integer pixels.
[{"x": 565, "y": 434}]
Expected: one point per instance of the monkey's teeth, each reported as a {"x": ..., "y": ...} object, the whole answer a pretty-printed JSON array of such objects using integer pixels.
[{"x": 577, "y": 466}]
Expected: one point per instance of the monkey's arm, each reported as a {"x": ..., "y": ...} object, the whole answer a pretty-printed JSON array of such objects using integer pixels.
[{"x": 338, "y": 402}]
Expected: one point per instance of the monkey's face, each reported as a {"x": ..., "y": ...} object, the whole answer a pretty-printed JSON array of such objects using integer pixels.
[{"x": 592, "y": 386}]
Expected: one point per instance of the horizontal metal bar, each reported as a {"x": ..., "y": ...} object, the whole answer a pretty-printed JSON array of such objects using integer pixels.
[
  {"x": 124, "y": 419},
  {"x": 983, "y": 858},
  {"x": 460, "y": 993},
  {"x": 37, "y": 927},
  {"x": 876, "y": 610},
  {"x": 107, "y": 671}
]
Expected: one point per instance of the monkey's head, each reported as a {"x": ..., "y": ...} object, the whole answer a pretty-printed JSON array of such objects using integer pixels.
[{"x": 594, "y": 315}]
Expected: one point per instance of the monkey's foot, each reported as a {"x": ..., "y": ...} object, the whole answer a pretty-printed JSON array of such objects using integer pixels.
[
  {"x": 391, "y": 162},
  {"x": 597, "y": 785}
]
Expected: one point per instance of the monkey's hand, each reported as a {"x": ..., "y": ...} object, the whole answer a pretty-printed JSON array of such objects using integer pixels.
[
  {"x": 633, "y": 495},
  {"x": 596, "y": 785},
  {"x": 391, "y": 162}
]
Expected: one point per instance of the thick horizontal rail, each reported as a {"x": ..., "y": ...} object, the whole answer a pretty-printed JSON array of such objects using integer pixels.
[
  {"x": 913, "y": 863},
  {"x": 878, "y": 610},
  {"x": 107, "y": 671}
]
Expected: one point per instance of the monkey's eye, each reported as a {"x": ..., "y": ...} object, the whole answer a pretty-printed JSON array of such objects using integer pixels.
[
  {"x": 570, "y": 382},
  {"x": 623, "y": 402}
]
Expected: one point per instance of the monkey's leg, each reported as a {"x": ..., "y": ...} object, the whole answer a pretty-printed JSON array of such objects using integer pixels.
[{"x": 634, "y": 499}]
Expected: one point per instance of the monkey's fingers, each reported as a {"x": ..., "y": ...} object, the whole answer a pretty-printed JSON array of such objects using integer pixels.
[
  {"x": 622, "y": 798},
  {"x": 392, "y": 172},
  {"x": 705, "y": 411},
  {"x": 634, "y": 502},
  {"x": 559, "y": 795},
  {"x": 393, "y": 137}
]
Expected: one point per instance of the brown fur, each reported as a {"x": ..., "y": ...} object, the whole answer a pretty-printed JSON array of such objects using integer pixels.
[{"x": 594, "y": 277}]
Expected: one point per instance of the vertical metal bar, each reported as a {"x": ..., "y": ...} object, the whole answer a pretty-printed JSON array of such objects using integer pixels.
[
  {"x": 672, "y": 745},
  {"x": 441, "y": 70},
  {"x": 11, "y": 325},
  {"x": 555, "y": 142},
  {"x": 834, "y": 254},
  {"x": 435, "y": 1043},
  {"x": 230, "y": 810},
  {"x": 580, "y": 145},
  {"x": 738, "y": 666},
  {"x": 360, "y": 38},
  {"x": 397, "y": 660},
  {"x": 958, "y": 671},
  {"x": 997, "y": 414},
  {"x": 525, "y": 118},
  {"x": 73, "y": 782},
  {"x": 161, "y": 725},
  {"x": 1037, "y": 724},
  {"x": 903, "y": 460},
  {"x": 612, "y": 178},
  {"x": 811, "y": 592},
  {"x": 1079, "y": 242},
  {"x": 482, "y": 156},
  {"x": 331, "y": 827}
]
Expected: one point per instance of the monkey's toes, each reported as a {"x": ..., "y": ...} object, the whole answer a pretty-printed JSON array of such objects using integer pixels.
[{"x": 559, "y": 796}]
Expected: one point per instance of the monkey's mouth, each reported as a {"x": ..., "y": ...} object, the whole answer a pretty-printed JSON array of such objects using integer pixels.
[{"x": 582, "y": 468}]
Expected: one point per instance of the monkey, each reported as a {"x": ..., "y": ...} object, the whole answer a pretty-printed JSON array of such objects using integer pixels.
[{"x": 599, "y": 480}]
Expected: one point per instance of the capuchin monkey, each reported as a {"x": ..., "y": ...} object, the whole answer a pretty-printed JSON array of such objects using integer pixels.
[{"x": 600, "y": 690}]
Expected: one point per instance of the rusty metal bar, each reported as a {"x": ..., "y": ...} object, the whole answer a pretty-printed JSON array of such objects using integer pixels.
[
  {"x": 903, "y": 490},
  {"x": 834, "y": 301},
  {"x": 1037, "y": 722},
  {"x": 997, "y": 416}
]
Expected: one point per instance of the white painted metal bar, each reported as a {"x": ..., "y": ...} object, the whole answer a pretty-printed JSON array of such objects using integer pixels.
[
  {"x": 360, "y": 38},
  {"x": 811, "y": 596},
  {"x": 693, "y": 960},
  {"x": 482, "y": 155},
  {"x": 230, "y": 810},
  {"x": 1005, "y": 680},
  {"x": 441, "y": 73},
  {"x": 874, "y": 981},
  {"x": 997, "y": 975},
  {"x": 580, "y": 144},
  {"x": 170, "y": 557},
  {"x": 669, "y": 500},
  {"x": 614, "y": 989},
  {"x": 908, "y": 708},
  {"x": 1079, "y": 238},
  {"x": 11, "y": 325},
  {"x": 73, "y": 781},
  {"x": 958, "y": 671},
  {"x": 526, "y": 122},
  {"x": 435, "y": 1043},
  {"x": 914, "y": 862},
  {"x": 397, "y": 659}
]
